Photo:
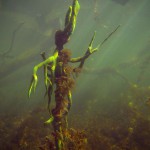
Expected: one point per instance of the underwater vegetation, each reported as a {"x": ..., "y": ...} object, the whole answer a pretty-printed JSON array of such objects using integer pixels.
[
  {"x": 111, "y": 111},
  {"x": 58, "y": 76},
  {"x": 57, "y": 72},
  {"x": 127, "y": 128}
]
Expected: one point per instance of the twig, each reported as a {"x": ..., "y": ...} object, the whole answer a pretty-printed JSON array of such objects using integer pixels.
[
  {"x": 109, "y": 35},
  {"x": 5, "y": 54}
]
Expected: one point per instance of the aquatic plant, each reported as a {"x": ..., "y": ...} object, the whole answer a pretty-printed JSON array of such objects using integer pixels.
[{"x": 58, "y": 72}]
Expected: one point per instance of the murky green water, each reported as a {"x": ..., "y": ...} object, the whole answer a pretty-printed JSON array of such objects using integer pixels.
[{"x": 111, "y": 97}]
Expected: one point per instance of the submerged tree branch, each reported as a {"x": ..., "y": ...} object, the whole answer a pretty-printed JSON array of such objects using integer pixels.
[{"x": 7, "y": 52}]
